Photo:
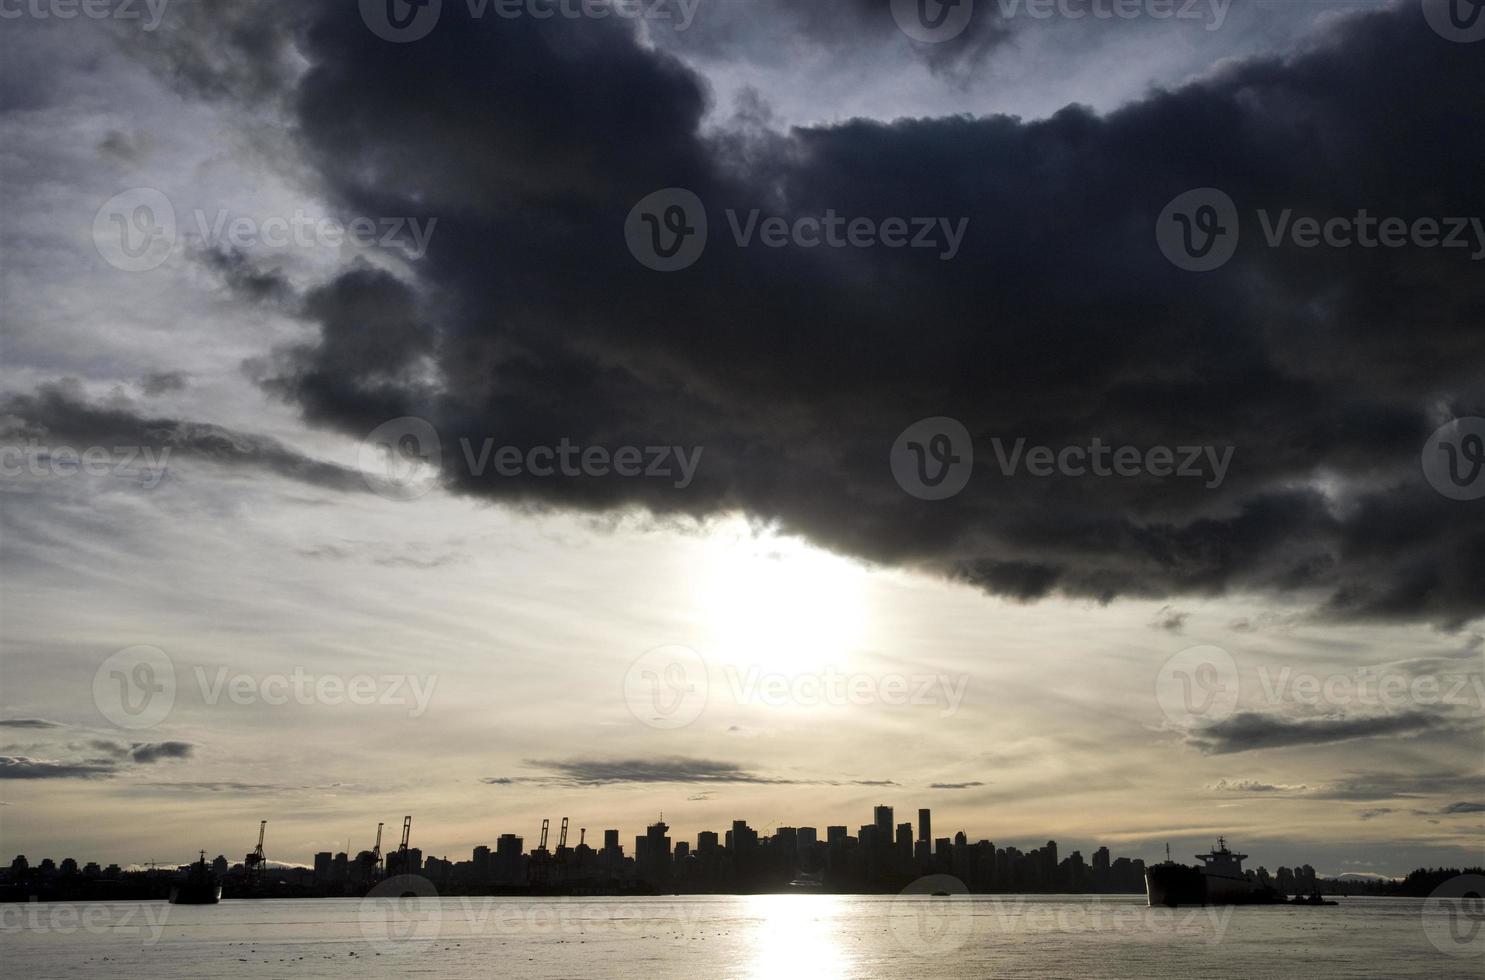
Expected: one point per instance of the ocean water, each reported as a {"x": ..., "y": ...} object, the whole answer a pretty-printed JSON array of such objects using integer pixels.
[{"x": 775, "y": 936}]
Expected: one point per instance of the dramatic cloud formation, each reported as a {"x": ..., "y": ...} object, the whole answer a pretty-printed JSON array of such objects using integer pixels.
[{"x": 1058, "y": 321}]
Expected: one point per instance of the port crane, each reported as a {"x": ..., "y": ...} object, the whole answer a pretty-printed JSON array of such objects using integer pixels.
[
  {"x": 255, "y": 863},
  {"x": 538, "y": 867},
  {"x": 376, "y": 850}
]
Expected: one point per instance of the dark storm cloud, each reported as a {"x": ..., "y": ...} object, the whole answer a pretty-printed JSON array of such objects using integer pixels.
[
  {"x": 59, "y": 414},
  {"x": 1247, "y": 731},
  {"x": 1453, "y": 808},
  {"x": 1058, "y": 321}
]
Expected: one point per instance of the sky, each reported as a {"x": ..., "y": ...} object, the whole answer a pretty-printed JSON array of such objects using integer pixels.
[{"x": 382, "y": 435}]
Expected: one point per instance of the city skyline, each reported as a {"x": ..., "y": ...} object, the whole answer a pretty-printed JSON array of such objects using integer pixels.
[{"x": 382, "y": 432}]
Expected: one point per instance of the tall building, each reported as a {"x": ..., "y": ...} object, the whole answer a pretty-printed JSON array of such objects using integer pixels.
[
  {"x": 652, "y": 852},
  {"x": 925, "y": 826},
  {"x": 835, "y": 835},
  {"x": 506, "y": 864},
  {"x": 323, "y": 862},
  {"x": 883, "y": 823},
  {"x": 904, "y": 856}
]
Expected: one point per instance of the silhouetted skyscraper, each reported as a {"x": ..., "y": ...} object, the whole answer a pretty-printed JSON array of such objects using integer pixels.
[
  {"x": 925, "y": 826},
  {"x": 883, "y": 823}
]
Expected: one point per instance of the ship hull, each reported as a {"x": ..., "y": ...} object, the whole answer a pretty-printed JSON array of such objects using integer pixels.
[
  {"x": 1175, "y": 885},
  {"x": 195, "y": 895}
]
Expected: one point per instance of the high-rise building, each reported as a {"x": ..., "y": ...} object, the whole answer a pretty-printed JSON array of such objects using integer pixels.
[
  {"x": 507, "y": 864},
  {"x": 706, "y": 842},
  {"x": 883, "y": 822},
  {"x": 904, "y": 855},
  {"x": 925, "y": 825},
  {"x": 323, "y": 862},
  {"x": 835, "y": 835}
]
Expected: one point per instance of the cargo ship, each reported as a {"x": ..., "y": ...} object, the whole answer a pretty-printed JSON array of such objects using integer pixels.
[
  {"x": 1219, "y": 881},
  {"x": 201, "y": 886}
]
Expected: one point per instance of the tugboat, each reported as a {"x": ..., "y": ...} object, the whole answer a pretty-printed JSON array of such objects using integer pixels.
[
  {"x": 201, "y": 886},
  {"x": 1219, "y": 881}
]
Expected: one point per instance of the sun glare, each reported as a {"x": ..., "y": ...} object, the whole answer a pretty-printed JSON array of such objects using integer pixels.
[{"x": 779, "y": 603}]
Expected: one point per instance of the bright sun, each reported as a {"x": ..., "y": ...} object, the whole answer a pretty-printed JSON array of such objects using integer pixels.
[{"x": 779, "y": 603}]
